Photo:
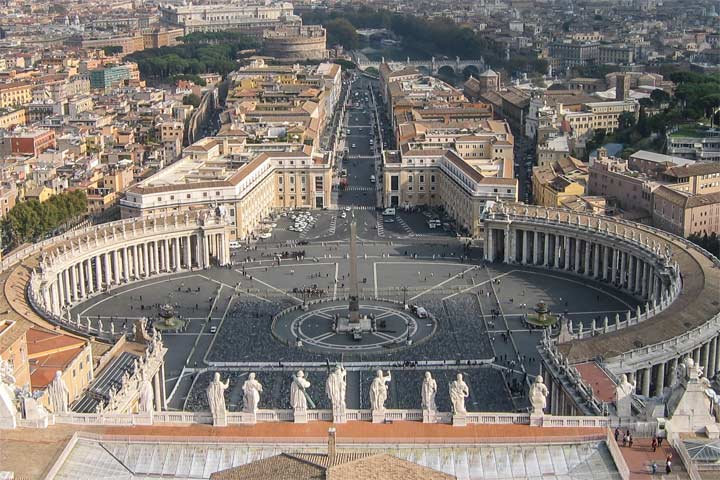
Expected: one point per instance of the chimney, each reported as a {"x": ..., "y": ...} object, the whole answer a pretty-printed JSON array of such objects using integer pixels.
[{"x": 331, "y": 443}]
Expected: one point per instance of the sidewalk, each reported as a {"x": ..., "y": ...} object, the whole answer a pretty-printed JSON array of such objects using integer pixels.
[{"x": 640, "y": 457}]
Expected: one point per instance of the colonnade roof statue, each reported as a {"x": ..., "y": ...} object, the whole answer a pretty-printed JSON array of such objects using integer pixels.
[
  {"x": 459, "y": 391},
  {"x": 335, "y": 387},
  {"x": 429, "y": 390},
  {"x": 251, "y": 394},
  {"x": 379, "y": 391},
  {"x": 59, "y": 395},
  {"x": 299, "y": 398},
  {"x": 216, "y": 395}
]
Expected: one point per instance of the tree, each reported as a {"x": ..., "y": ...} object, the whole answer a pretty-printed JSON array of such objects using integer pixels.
[
  {"x": 192, "y": 99},
  {"x": 111, "y": 50},
  {"x": 341, "y": 31},
  {"x": 626, "y": 121}
]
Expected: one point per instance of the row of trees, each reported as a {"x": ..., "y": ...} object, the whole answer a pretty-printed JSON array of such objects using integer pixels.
[
  {"x": 696, "y": 98},
  {"x": 200, "y": 53},
  {"x": 439, "y": 36},
  {"x": 32, "y": 220}
]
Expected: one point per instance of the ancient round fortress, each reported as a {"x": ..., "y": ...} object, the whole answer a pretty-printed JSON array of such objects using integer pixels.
[{"x": 664, "y": 288}]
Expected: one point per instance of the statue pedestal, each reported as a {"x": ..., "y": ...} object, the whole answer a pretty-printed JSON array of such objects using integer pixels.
[
  {"x": 220, "y": 420},
  {"x": 300, "y": 416},
  {"x": 339, "y": 416},
  {"x": 429, "y": 416},
  {"x": 459, "y": 419},
  {"x": 378, "y": 416},
  {"x": 536, "y": 419}
]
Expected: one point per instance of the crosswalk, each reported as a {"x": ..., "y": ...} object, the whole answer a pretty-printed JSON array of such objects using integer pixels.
[
  {"x": 403, "y": 224},
  {"x": 358, "y": 188},
  {"x": 333, "y": 225},
  {"x": 361, "y": 157},
  {"x": 357, "y": 207},
  {"x": 380, "y": 226}
]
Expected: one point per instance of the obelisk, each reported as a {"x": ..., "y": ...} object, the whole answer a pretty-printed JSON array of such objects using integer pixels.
[{"x": 354, "y": 307}]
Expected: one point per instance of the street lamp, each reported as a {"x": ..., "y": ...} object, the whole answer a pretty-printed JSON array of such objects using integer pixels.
[{"x": 404, "y": 290}]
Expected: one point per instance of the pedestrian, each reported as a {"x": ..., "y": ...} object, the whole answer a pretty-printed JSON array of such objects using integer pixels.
[
  {"x": 668, "y": 467},
  {"x": 630, "y": 441},
  {"x": 654, "y": 467},
  {"x": 624, "y": 440},
  {"x": 654, "y": 444}
]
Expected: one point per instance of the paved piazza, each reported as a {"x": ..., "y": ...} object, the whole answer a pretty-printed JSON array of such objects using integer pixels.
[{"x": 476, "y": 327}]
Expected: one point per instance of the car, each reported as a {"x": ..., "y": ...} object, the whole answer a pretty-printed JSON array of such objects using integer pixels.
[
  {"x": 353, "y": 145},
  {"x": 234, "y": 244},
  {"x": 389, "y": 212},
  {"x": 265, "y": 235},
  {"x": 343, "y": 214},
  {"x": 347, "y": 209},
  {"x": 213, "y": 329}
]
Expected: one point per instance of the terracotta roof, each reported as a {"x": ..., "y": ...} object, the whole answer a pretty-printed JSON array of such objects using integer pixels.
[
  {"x": 43, "y": 368},
  {"x": 693, "y": 170}
]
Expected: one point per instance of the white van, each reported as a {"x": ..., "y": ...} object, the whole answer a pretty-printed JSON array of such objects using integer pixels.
[
  {"x": 372, "y": 178},
  {"x": 234, "y": 244},
  {"x": 388, "y": 212}
]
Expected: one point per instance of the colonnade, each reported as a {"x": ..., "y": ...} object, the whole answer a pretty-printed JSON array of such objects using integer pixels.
[
  {"x": 121, "y": 262},
  {"x": 591, "y": 256}
]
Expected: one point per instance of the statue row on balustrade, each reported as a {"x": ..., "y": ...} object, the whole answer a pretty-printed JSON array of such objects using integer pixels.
[{"x": 335, "y": 387}]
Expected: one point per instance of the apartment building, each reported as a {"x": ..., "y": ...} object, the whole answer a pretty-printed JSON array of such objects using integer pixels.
[
  {"x": 247, "y": 180},
  {"x": 554, "y": 183},
  {"x": 15, "y": 94}
]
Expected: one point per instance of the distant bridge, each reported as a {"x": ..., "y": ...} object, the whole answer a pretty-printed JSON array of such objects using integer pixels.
[{"x": 432, "y": 64}]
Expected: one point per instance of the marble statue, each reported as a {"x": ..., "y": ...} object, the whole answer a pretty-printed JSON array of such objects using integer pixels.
[
  {"x": 623, "y": 396},
  {"x": 429, "y": 389},
  {"x": 459, "y": 391},
  {"x": 298, "y": 391},
  {"x": 251, "y": 394},
  {"x": 379, "y": 391},
  {"x": 59, "y": 395},
  {"x": 145, "y": 403},
  {"x": 538, "y": 395},
  {"x": 8, "y": 410},
  {"x": 335, "y": 388},
  {"x": 216, "y": 396}
]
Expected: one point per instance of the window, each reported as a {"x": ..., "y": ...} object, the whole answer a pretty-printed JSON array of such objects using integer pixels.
[
  {"x": 217, "y": 194},
  {"x": 188, "y": 195},
  {"x": 280, "y": 180}
]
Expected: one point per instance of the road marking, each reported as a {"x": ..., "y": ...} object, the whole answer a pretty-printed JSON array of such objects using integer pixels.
[
  {"x": 275, "y": 288},
  {"x": 443, "y": 282},
  {"x": 479, "y": 284},
  {"x": 337, "y": 267},
  {"x": 375, "y": 277},
  {"x": 321, "y": 337}
]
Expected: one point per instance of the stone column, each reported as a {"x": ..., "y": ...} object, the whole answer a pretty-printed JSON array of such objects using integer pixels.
[
  {"x": 631, "y": 273},
  {"x": 116, "y": 266},
  {"x": 199, "y": 252},
  {"x": 106, "y": 269},
  {"x": 644, "y": 282},
  {"x": 73, "y": 282},
  {"x": 188, "y": 252},
  {"x": 153, "y": 250},
  {"x": 525, "y": 246},
  {"x": 206, "y": 250},
  {"x": 623, "y": 260},
  {"x": 166, "y": 255},
  {"x": 546, "y": 249},
  {"x": 536, "y": 248},
  {"x": 717, "y": 354},
  {"x": 615, "y": 261},
  {"x": 710, "y": 369},
  {"x": 596, "y": 260},
  {"x": 176, "y": 247},
  {"x": 606, "y": 262},
  {"x": 126, "y": 264},
  {"x": 136, "y": 261},
  {"x": 91, "y": 274},
  {"x": 646, "y": 381},
  {"x": 98, "y": 273},
  {"x": 659, "y": 379},
  {"x": 55, "y": 297},
  {"x": 488, "y": 245},
  {"x": 696, "y": 356},
  {"x": 566, "y": 266},
  {"x": 81, "y": 265},
  {"x": 705, "y": 356},
  {"x": 588, "y": 256},
  {"x": 672, "y": 368},
  {"x": 66, "y": 287},
  {"x": 146, "y": 263},
  {"x": 578, "y": 244}
]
